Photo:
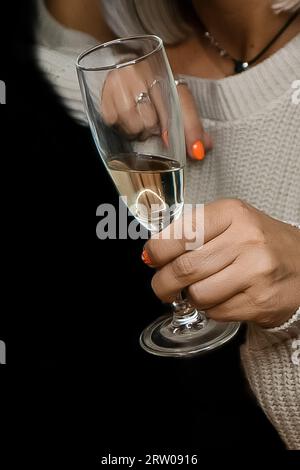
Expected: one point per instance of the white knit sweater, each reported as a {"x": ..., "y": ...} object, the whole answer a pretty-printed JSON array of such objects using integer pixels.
[{"x": 255, "y": 127}]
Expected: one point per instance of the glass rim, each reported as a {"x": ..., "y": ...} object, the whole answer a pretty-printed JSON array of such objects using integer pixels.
[{"x": 118, "y": 41}]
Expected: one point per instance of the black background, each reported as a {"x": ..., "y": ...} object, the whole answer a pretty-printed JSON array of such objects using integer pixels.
[{"x": 73, "y": 306}]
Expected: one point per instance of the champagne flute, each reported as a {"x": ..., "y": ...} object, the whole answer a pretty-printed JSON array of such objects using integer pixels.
[{"x": 133, "y": 110}]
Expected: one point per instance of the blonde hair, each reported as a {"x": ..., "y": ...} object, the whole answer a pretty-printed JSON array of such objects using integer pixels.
[
  {"x": 285, "y": 5},
  {"x": 161, "y": 17}
]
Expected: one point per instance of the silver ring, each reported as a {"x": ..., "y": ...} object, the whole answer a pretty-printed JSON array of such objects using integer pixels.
[
  {"x": 155, "y": 82},
  {"x": 142, "y": 98},
  {"x": 180, "y": 81}
]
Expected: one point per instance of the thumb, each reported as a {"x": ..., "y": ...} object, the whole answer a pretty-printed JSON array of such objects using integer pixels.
[{"x": 198, "y": 142}]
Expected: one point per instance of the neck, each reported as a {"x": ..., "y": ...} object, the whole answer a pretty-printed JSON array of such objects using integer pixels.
[{"x": 243, "y": 28}]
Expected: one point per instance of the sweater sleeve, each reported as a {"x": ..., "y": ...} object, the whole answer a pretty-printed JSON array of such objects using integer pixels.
[
  {"x": 271, "y": 360},
  {"x": 60, "y": 69}
]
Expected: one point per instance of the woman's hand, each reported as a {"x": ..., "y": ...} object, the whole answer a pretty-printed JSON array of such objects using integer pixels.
[
  {"x": 121, "y": 108},
  {"x": 247, "y": 269}
]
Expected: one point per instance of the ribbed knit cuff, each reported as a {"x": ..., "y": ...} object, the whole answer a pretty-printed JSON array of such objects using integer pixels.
[
  {"x": 260, "y": 338},
  {"x": 288, "y": 324}
]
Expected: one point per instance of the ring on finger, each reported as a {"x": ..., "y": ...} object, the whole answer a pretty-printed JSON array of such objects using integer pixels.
[
  {"x": 155, "y": 82},
  {"x": 142, "y": 98},
  {"x": 180, "y": 81}
]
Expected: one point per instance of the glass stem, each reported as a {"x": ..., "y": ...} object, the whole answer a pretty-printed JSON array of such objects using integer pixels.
[{"x": 185, "y": 315}]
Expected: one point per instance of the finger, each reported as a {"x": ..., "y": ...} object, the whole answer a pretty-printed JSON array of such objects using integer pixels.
[
  {"x": 156, "y": 96},
  {"x": 129, "y": 121},
  {"x": 192, "y": 267},
  {"x": 219, "y": 288},
  {"x": 173, "y": 242},
  {"x": 238, "y": 308},
  {"x": 149, "y": 118},
  {"x": 118, "y": 91},
  {"x": 108, "y": 110},
  {"x": 197, "y": 140}
]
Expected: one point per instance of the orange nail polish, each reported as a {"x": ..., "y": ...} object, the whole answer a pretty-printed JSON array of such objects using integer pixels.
[
  {"x": 165, "y": 137},
  {"x": 198, "y": 150},
  {"x": 146, "y": 258}
]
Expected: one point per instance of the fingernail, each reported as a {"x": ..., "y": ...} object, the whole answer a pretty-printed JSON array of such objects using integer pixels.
[
  {"x": 198, "y": 151},
  {"x": 146, "y": 258},
  {"x": 165, "y": 137}
]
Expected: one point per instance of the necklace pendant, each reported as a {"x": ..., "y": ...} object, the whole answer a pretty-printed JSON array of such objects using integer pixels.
[{"x": 240, "y": 66}]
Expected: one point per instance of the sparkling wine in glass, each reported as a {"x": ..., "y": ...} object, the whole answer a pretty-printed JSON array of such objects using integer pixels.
[
  {"x": 152, "y": 184},
  {"x": 133, "y": 110}
]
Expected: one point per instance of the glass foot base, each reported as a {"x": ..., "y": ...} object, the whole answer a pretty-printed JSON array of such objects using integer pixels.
[{"x": 162, "y": 339}]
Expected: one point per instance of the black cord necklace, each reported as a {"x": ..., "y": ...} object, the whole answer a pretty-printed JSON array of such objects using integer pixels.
[{"x": 240, "y": 65}]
